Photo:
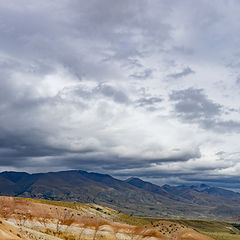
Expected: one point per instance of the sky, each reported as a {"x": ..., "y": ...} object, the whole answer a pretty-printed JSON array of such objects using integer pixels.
[{"x": 144, "y": 88}]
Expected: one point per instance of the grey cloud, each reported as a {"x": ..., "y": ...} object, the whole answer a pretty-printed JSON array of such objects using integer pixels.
[
  {"x": 31, "y": 149},
  {"x": 138, "y": 165},
  {"x": 30, "y": 143},
  {"x": 109, "y": 91},
  {"x": 221, "y": 126},
  {"x": 142, "y": 75},
  {"x": 108, "y": 162},
  {"x": 220, "y": 153},
  {"x": 238, "y": 81},
  {"x": 148, "y": 101},
  {"x": 54, "y": 33},
  {"x": 28, "y": 149},
  {"x": 186, "y": 71},
  {"x": 216, "y": 179},
  {"x": 228, "y": 182},
  {"x": 193, "y": 106},
  {"x": 157, "y": 173},
  {"x": 25, "y": 151},
  {"x": 115, "y": 163},
  {"x": 112, "y": 163},
  {"x": 181, "y": 157},
  {"x": 133, "y": 62},
  {"x": 83, "y": 95}
]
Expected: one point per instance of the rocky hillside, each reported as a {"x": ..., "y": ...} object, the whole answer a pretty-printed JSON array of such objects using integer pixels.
[
  {"x": 28, "y": 219},
  {"x": 133, "y": 196}
]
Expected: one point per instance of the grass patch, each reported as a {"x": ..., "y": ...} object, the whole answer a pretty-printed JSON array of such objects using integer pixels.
[
  {"x": 203, "y": 225},
  {"x": 214, "y": 229},
  {"x": 113, "y": 214},
  {"x": 222, "y": 235}
]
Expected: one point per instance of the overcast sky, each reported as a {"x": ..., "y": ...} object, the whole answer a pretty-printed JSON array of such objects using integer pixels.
[{"x": 147, "y": 88}]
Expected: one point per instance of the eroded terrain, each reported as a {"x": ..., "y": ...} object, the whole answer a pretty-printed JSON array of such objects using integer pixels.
[{"x": 27, "y": 219}]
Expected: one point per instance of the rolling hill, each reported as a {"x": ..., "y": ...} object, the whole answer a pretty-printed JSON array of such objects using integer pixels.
[
  {"x": 133, "y": 196},
  {"x": 30, "y": 219}
]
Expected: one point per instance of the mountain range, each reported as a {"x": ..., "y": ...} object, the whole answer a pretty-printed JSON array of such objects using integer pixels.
[{"x": 133, "y": 196}]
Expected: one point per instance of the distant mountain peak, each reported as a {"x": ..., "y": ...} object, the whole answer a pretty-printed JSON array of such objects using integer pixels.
[
  {"x": 166, "y": 186},
  {"x": 135, "y": 179},
  {"x": 203, "y": 185},
  {"x": 14, "y": 176}
]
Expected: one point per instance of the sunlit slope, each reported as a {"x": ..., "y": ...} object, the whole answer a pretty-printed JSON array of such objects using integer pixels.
[
  {"x": 41, "y": 219},
  {"x": 215, "y": 229}
]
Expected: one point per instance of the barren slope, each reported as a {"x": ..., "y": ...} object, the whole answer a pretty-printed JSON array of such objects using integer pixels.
[{"x": 26, "y": 219}]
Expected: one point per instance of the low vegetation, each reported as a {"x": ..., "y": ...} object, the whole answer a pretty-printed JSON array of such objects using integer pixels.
[
  {"x": 214, "y": 229},
  {"x": 44, "y": 219}
]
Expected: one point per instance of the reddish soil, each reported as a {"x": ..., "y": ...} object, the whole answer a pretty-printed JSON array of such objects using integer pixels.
[{"x": 66, "y": 222}]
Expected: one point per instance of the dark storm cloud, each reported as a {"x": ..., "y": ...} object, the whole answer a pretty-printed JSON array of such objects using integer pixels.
[
  {"x": 186, "y": 71},
  {"x": 31, "y": 151},
  {"x": 181, "y": 157},
  {"x": 108, "y": 162},
  {"x": 216, "y": 179},
  {"x": 90, "y": 158},
  {"x": 30, "y": 143},
  {"x": 156, "y": 173}
]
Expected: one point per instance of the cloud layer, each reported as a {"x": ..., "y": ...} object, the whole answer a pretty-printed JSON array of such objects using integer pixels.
[{"x": 130, "y": 88}]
